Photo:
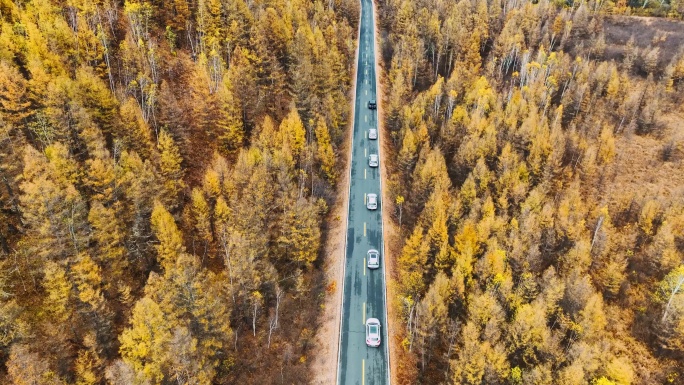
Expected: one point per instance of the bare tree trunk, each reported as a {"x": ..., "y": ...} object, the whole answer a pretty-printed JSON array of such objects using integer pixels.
[
  {"x": 235, "y": 332},
  {"x": 226, "y": 252},
  {"x": 409, "y": 326},
  {"x": 451, "y": 60},
  {"x": 272, "y": 325},
  {"x": 72, "y": 231},
  {"x": 596, "y": 230},
  {"x": 453, "y": 333},
  {"x": 254, "y": 317},
  {"x": 103, "y": 40},
  {"x": 279, "y": 295},
  {"x": 669, "y": 302}
]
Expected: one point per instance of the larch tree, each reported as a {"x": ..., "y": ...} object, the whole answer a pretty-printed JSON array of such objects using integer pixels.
[
  {"x": 170, "y": 167},
  {"x": 230, "y": 123},
  {"x": 293, "y": 133},
  {"x": 14, "y": 103},
  {"x": 170, "y": 240},
  {"x": 145, "y": 344},
  {"x": 53, "y": 210},
  {"x": 191, "y": 298},
  {"x": 299, "y": 238},
  {"x": 201, "y": 213},
  {"x": 108, "y": 233},
  {"x": 135, "y": 132},
  {"x": 326, "y": 152}
]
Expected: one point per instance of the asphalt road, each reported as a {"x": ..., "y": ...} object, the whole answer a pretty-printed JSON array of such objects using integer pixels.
[{"x": 364, "y": 289}]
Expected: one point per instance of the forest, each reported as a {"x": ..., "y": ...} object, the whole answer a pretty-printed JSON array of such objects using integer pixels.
[
  {"x": 166, "y": 170},
  {"x": 536, "y": 181}
]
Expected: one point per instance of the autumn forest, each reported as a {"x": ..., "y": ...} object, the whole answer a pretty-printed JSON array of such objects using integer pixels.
[
  {"x": 537, "y": 181},
  {"x": 168, "y": 169}
]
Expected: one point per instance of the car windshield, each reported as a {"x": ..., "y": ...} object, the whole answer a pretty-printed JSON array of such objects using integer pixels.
[{"x": 373, "y": 329}]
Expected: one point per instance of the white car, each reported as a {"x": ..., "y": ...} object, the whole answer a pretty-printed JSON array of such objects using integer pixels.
[
  {"x": 373, "y": 160},
  {"x": 373, "y": 259},
  {"x": 372, "y": 133},
  {"x": 372, "y": 202},
  {"x": 373, "y": 332}
]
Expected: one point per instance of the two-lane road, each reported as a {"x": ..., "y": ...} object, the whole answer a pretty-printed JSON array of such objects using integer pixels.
[{"x": 364, "y": 289}]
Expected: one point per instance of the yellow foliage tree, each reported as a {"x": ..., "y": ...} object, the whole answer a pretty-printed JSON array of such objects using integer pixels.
[
  {"x": 292, "y": 132},
  {"x": 201, "y": 215},
  {"x": 326, "y": 153},
  {"x": 170, "y": 239},
  {"x": 144, "y": 345},
  {"x": 170, "y": 166}
]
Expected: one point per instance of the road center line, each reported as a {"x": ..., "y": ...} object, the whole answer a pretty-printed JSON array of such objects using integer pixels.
[
  {"x": 364, "y": 198},
  {"x": 363, "y": 372}
]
